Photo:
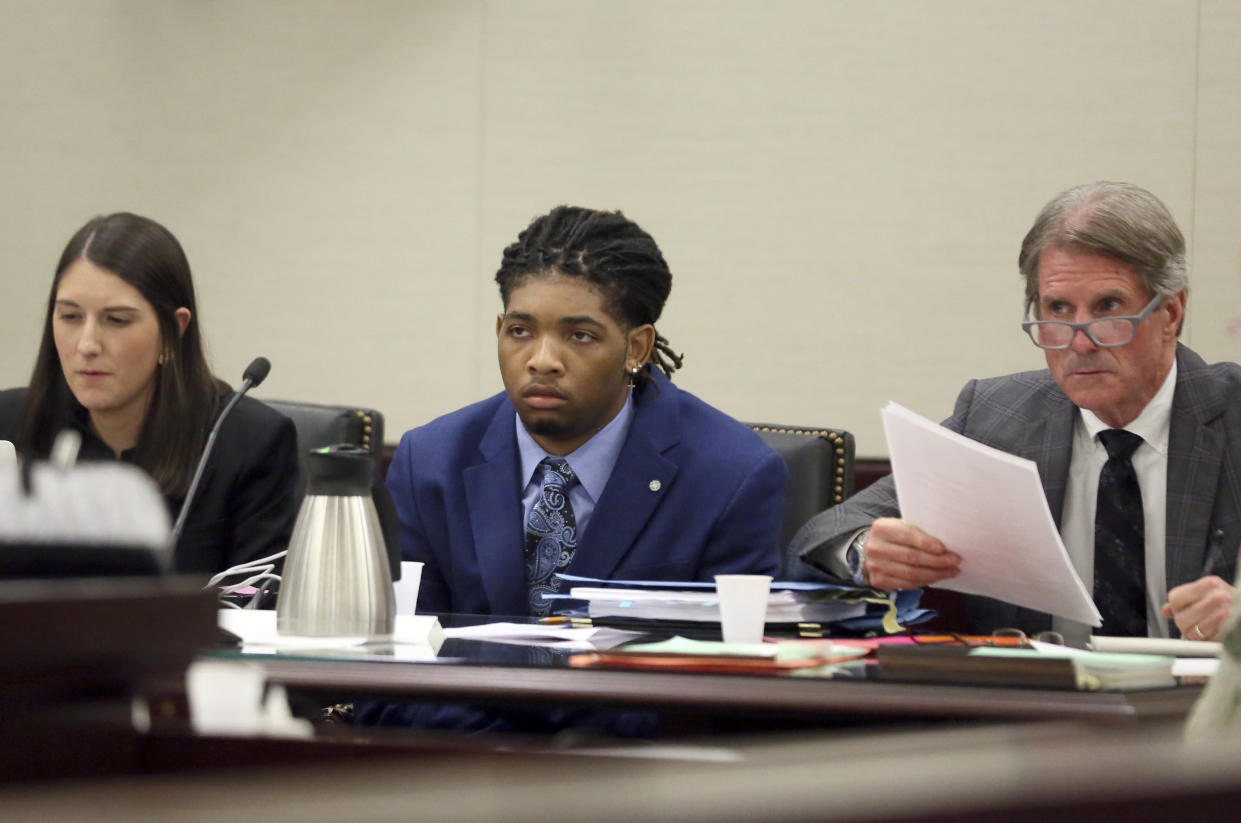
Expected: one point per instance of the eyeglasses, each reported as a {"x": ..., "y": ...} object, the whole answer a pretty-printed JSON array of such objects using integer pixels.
[
  {"x": 1051, "y": 638},
  {"x": 1106, "y": 332}
]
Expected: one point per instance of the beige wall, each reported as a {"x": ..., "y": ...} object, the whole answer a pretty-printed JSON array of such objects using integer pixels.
[{"x": 839, "y": 186}]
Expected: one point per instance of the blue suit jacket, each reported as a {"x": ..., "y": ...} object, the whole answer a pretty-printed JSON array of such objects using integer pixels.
[{"x": 457, "y": 491}]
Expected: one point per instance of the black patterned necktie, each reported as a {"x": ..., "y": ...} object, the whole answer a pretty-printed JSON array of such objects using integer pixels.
[
  {"x": 551, "y": 533},
  {"x": 1120, "y": 540}
]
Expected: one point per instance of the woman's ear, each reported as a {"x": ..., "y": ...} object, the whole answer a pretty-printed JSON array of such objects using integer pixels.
[{"x": 182, "y": 316}]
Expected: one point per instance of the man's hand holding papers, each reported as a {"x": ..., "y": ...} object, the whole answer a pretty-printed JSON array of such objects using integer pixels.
[
  {"x": 899, "y": 555},
  {"x": 988, "y": 506}
]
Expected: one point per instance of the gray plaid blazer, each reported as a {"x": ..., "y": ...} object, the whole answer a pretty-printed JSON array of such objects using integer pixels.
[{"x": 1028, "y": 415}]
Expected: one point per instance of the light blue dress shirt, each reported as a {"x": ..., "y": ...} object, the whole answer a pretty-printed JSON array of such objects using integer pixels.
[{"x": 592, "y": 462}]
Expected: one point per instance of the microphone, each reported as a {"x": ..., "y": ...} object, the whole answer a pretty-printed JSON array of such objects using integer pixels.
[{"x": 254, "y": 374}]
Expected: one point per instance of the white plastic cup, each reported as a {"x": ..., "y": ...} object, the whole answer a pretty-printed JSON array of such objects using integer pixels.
[
  {"x": 225, "y": 696},
  {"x": 407, "y": 587},
  {"x": 743, "y": 606}
]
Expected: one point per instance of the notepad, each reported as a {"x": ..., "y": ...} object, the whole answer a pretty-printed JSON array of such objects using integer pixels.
[
  {"x": 1178, "y": 647},
  {"x": 998, "y": 666}
]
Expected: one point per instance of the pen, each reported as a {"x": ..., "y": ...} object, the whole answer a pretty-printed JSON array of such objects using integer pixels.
[
  {"x": 1214, "y": 548},
  {"x": 554, "y": 620}
]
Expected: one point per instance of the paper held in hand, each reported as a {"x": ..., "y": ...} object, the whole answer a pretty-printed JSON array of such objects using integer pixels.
[{"x": 987, "y": 506}]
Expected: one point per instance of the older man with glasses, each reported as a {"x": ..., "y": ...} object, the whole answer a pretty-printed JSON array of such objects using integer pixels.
[{"x": 1137, "y": 439}]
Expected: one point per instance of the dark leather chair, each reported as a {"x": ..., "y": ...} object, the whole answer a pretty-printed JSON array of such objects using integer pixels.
[
  {"x": 820, "y": 463},
  {"x": 321, "y": 425}
]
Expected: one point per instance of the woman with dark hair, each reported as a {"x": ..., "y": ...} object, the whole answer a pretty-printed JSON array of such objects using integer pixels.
[{"x": 121, "y": 361}]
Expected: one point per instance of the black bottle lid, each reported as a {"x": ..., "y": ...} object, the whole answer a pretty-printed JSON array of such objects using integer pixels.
[{"x": 341, "y": 470}]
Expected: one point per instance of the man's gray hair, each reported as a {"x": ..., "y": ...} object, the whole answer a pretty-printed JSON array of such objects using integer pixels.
[{"x": 1117, "y": 220}]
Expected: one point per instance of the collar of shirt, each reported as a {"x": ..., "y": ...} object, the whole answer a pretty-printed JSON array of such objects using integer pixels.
[
  {"x": 93, "y": 447},
  {"x": 1152, "y": 425},
  {"x": 592, "y": 461}
]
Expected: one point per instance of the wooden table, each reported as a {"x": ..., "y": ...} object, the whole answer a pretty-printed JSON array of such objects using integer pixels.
[{"x": 823, "y": 701}]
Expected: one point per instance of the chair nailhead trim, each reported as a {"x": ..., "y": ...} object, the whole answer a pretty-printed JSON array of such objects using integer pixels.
[{"x": 830, "y": 436}]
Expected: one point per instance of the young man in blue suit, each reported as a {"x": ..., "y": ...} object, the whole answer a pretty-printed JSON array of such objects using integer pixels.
[{"x": 591, "y": 461}]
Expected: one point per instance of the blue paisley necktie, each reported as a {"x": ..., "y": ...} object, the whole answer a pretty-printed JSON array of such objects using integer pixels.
[
  {"x": 551, "y": 533},
  {"x": 1120, "y": 539}
]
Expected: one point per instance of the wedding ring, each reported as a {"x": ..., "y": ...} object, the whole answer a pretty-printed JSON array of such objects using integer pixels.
[{"x": 1198, "y": 632}]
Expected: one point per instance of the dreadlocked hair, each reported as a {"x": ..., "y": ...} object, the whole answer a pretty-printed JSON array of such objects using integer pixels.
[
  {"x": 664, "y": 357},
  {"x": 610, "y": 252}
]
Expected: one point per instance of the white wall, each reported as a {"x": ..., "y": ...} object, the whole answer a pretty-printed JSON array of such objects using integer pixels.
[{"x": 839, "y": 186}]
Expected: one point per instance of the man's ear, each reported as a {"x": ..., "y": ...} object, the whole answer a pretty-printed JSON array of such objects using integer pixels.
[
  {"x": 641, "y": 342},
  {"x": 1176, "y": 313}
]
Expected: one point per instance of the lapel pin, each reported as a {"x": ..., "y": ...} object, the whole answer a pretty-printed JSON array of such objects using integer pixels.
[{"x": 654, "y": 485}]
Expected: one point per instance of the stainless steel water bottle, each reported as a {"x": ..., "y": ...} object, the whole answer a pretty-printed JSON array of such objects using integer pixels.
[{"x": 337, "y": 582}]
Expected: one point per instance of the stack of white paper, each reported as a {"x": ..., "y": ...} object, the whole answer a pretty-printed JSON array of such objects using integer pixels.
[
  {"x": 783, "y": 606},
  {"x": 987, "y": 506}
]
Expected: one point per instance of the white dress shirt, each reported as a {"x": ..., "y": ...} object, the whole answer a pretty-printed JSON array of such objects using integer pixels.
[{"x": 1150, "y": 462}]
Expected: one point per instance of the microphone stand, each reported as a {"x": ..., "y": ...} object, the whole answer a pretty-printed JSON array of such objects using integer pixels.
[{"x": 254, "y": 374}]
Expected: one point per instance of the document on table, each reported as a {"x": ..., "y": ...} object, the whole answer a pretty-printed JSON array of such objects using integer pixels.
[
  {"x": 542, "y": 634},
  {"x": 1191, "y": 658},
  {"x": 1175, "y": 646},
  {"x": 987, "y": 506},
  {"x": 414, "y": 637}
]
